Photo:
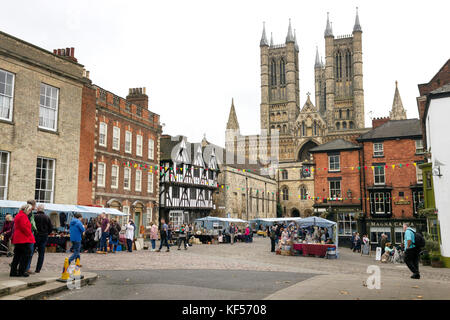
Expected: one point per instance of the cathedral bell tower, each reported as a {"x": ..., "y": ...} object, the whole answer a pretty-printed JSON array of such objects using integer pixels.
[
  {"x": 280, "y": 90},
  {"x": 339, "y": 83}
]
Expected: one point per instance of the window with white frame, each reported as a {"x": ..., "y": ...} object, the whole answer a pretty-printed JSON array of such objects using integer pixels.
[
  {"x": 334, "y": 162},
  {"x": 346, "y": 223},
  {"x": 102, "y": 134},
  {"x": 114, "y": 176},
  {"x": 138, "y": 182},
  {"x": 335, "y": 189},
  {"x": 150, "y": 183},
  {"x": 419, "y": 147},
  {"x": 380, "y": 202},
  {"x": 378, "y": 174},
  {"x": 45, "y": 178},
  {"x": 151, "y": 148},
  {"x": 418, "y": 200},
  {"x": 6, "y": 95},
  {"x": 126, "y": 178},
  {"x": 419, "y": 175},
  {"x": 378, "y": 149},
  {"x": 4, "y": 170},
  {"x": 116, "y": 138},
  {"x": 149, "y": 215},
  {"x": 128, "y": 136},
  {"x": 139, "y": 145},
  {"x": 48, "y": 107},
  {"x": 101, "y": 170},
  {"x": 124, "y": 219}
]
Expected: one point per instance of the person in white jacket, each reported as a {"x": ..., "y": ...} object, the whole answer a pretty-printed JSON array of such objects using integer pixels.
[{"x": 129, "y": 235}]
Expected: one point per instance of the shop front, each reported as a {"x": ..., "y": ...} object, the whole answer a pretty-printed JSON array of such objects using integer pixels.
[{"x": 393, "y": 228}]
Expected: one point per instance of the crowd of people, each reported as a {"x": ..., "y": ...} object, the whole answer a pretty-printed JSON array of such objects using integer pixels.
[{"x": 281, "y": 233}]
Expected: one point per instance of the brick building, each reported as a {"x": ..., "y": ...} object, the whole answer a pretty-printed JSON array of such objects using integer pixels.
[
  {"x": 392, "y": 179},
  {"x": 126, "y": 154},
  {"x": 40, "y": 122},
  {"x": 337, "y": 184}
]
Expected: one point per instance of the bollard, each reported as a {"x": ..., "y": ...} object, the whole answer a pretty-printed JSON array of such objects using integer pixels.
[{"x": 65, "y": 276}]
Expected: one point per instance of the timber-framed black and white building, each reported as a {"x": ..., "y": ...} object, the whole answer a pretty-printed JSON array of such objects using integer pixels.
[{"x": 187, "y": 180}]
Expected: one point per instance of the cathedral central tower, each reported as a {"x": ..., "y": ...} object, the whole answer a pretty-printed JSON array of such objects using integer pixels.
[{"x": 280, "y": 86}]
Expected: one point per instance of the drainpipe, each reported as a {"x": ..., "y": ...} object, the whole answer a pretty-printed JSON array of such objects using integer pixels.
[{"x": 246, "y": 192}]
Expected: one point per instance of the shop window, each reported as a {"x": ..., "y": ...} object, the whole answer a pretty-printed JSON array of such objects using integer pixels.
[
  {"x": 376, "y": 232},
  {"x": 399, "y": 235}
]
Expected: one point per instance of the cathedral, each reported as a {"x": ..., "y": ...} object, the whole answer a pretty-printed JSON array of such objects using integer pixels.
[{"x": 289, "y": 131}]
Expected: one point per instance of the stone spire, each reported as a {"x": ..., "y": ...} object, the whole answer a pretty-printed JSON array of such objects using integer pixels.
[
  {"x": 290, "y": 36},
  {"x": 232, "y": 118},
  {"x": 357, "y": 26},
  {"x": 295, "y": 39},
  {"x": 271, "y": 39},
  {"x": 263, "y": 37},
  {"x": 397, "y": 112},
  {"x": 318, "y": 64},
  {"x": 328, "y": 29}
]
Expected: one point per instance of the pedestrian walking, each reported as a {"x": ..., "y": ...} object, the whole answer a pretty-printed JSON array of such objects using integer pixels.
[
  {"x": 6, "y": 232},
  {"x": 383, "y": 241},
  {"x": 105, "y": 225},
  {"x": 89, "y": 243},
  {"x": 31, "y": 202},
  {"x": 129, "y": 235},
  {"x": 182, "y": 236},
  {"x": 113, "y": 236},
  {"x": 76, "y": 234},
  {"x": 170, "y": 233},
  {"x": 352, "y": 241},
  {"x": 43, "y": 228},
  {"x": 271, "y": 232},
  {"x": 232, "y": 232},
  {"x": 247, "y": 234},
  {"x": 357, "y": 246},
  {"x": 164, "y": 236},
  {"x": 189, "y": 234},
  {"x": 366, "y": 245},
  {"x": 98, "y": 235},
  {"x": 153, "y": 235},
  {"x": 22, "y": 238},
  {"x": 411, "y": 251}
]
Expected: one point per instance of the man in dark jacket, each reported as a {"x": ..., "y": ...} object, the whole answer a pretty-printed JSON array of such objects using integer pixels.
[{"x": 44, "y": 228}]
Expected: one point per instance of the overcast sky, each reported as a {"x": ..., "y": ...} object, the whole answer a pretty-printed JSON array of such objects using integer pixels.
[{"x": 194, "y": 56}]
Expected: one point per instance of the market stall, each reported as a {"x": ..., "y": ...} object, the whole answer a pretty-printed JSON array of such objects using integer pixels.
[
  {"x": 312, "y": 246},
  {"x": 210, "y": 229},
  {"x": 265, "y": 222},
  {"x": 60, "y": 215}
]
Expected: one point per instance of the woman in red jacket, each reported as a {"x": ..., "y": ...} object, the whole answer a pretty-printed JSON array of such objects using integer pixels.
[{"x": 22, "y": 237}]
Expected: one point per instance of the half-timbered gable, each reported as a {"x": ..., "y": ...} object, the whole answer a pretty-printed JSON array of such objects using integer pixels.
[{"x": 188, "y": 180}]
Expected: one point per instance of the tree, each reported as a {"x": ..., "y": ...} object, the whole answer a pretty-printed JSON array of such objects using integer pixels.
[{"x": 279, "y": 210}]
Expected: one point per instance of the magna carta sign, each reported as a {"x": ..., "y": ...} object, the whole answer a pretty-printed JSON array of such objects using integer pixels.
[{"x": 402, "y": 202}]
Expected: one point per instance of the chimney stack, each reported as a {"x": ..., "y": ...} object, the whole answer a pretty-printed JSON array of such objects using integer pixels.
[
  {"x": 376, "y": 122},
  {"x": 69, "y": 53},
  {"x": 138, "y": 97}
]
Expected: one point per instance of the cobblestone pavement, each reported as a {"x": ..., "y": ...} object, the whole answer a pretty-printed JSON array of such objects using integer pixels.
[{"x": 254, "y": 256}]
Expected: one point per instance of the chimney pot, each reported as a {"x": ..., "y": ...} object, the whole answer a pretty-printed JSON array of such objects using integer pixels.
[
  {"x": 54, "y": 51},
  {"x": 67, "y": 51},
  {"x": 59, "y": 52},
  {"x": 144, "y": 90},
  {"x": 72, "y": 52},
  {"x": 87, "y": 74}
]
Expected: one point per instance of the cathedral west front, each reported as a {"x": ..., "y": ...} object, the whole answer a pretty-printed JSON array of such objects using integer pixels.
[{"x": 335, "y": 111}]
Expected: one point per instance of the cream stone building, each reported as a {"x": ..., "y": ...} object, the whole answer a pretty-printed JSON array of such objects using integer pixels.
[
  {"x": 288, "y": 132},
  {"x": 40, "y": 114}
]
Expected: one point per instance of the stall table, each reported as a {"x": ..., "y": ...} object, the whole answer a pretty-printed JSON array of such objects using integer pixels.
[
  {"x": 316, "y": 249},
  {"x": 61, "y": 242}
]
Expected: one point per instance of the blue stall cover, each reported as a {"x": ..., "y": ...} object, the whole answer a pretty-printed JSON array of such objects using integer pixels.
[{"x": 316, "y": 221}]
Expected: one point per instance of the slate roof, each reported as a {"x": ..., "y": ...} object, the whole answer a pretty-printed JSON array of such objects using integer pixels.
[
  {"x": 335, "y": 145},
  {"x": 394, "y": 129}
]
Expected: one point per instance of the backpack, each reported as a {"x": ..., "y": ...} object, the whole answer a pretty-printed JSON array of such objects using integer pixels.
[{"x": 419, "y": 240}]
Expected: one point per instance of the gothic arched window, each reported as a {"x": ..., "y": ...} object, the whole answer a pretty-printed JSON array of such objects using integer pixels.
[
  {"x": 273, "y": 73},
  {"x": 338, "y": 66},
  {"x": 303, "y": 193},
  {"x": 282, "y": 71},
  {"x": 340, "y": 114},
  {"x": 338, "y": 126},
  {"x": 284, "y": 174},
  {"x": 348, "y": 113},
  {"x": 352, "y": 126},
  {"x": 315, "y": 128},
  {"x": 284, "y": 128},
  {"x": 348, "y": 64},
  {"x": 344, "y": 125},
  {"x": 303, "y": 129},
  {"x": 285, "y": 192}
]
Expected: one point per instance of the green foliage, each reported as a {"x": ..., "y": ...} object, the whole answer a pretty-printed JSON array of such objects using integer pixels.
[
  {"x": 430, "y": 244},
  {"x": 423, "y": 213},
  {"x": 435, "y": 256},
  {"x": 279, "y": 210}
]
